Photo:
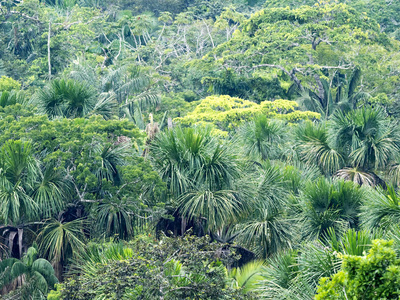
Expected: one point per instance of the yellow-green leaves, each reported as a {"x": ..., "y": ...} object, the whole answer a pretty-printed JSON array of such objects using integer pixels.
[{"x": 227, "y": 112}]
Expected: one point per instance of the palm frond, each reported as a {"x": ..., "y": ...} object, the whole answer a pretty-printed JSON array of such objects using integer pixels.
[
  {"x": 218, "y": 208},
  {"x": 59, "y": 241},
  {"x": 381, "y": 209}
]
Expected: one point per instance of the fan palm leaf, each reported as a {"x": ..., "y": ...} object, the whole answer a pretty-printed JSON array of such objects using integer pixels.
[
  {"x": 115, "y": 219},
  {"x": 51, "y": 191},
  {"x": 59, "y": 241},
  {"x": 325, "y": 204},
  {"x": 381, "y": 209},
  {"x": 279, "y": 272},
  {"x": 267, "y": 233},
  {"x": 218, "y": 208},
  {"x": 313, "y": 143},
  {"x": 261, "y": 137}
]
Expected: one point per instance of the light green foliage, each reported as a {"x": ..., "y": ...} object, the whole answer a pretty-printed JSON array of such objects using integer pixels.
[
  {"x": 8, "y": 84},
  {"x": 248, "y": 276},
  {"x": 226, "y": 112},
  {"x": 302, "y": 47},
  {"x": 373, "y": 276},
  {"x": 381, "y": 209},
  {"x": 384, "y": 12}
]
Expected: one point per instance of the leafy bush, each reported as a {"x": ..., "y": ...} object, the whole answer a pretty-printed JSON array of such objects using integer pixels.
[
  {"x": 374, "y": 276},
  {"x": 182, "y": 268}
]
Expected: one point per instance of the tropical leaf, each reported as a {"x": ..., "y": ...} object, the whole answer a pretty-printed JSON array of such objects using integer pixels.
[
  {"x": 218, "y": 208},
  {"x": 381, "y": 209},
  {"x": 60, "y": 241}
]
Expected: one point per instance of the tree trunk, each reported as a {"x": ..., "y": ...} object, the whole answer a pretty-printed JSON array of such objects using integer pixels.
[{"x": 48, "y": 49}]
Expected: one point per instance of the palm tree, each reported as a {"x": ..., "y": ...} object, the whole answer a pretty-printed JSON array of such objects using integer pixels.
[
  {"x": 35, "y": 275},
  {"x": 190, "y": 157},
  {"x": 18, "y": 170},
  {"x": 325, "y": 204},
  {"x": 352, "y": 146},
  {"x": 11, "y": 98},
  {"x": 132, "y": 87},
  {"x": 352, "y": 242},
  {"x": 97, "y": 255},
  {"x": 315, "y": 147},
  {"x": 381, "y": 209},
  {"x": 28, "y": 190},
  {"x": 110, "y": 157},
  {"x": 72, "y": 99},
  {"x": 216, "y": 208},
  {"x": 262, "y": 138},
  {"x": 366, "y": 136},
  {"x": 60, "y": 241},
  {"x": 51, "y": 190},
  {"x": 279, "y": 272},
  {"x": 340, "y": 94},
  {"x": 266, "y": 228},
  {"x": 316, "y": 261},
  {"x": 199, "y": 171},
  {"x": 267, "y": 232},
  {"x": 298, "y": 174},
  {"x": 115, "y": 218}
]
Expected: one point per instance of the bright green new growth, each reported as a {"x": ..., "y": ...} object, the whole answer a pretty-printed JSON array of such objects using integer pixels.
[{"x": 227, "y": 112}]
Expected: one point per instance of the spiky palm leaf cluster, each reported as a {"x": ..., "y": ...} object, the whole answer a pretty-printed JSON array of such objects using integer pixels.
[
  {"x": 354, "y": 145},
  {"x": 200, "y": 173}
]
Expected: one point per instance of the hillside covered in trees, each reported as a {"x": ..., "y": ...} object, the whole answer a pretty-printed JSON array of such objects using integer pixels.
[{"x": 199, "y": 149}]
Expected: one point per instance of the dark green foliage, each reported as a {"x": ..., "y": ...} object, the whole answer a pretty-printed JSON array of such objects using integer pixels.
[
  {"x": 173, "y": 268},
  {"x": 256, "y": 89},
  {"x": 123, "y": 122},
  {"x": 325, "y": 205}
]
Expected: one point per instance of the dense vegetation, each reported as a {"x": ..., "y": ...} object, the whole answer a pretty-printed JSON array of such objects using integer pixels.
[{"x": 199, "y": 149}]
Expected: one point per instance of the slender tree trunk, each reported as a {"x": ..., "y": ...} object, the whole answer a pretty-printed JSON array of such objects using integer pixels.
[{"x": 48, "y": 49}]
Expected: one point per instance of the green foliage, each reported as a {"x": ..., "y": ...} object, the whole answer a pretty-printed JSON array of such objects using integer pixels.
[
  {"x": 265, "y": 229},
  {"x": 72, "y": 99},
  {"x": 373, "y": 276},
  {"x": 59, "y": 241},
  {"x": 385, "y": 13},
  {"x": 305, "y": 51},
  {"x": 38, "y": 273},
  {"x": 8, "y": 84},
  {"x": 261, "y": 136},
  {"x": 18, "y": 169},
  {"x": 187, "y": 157},
  {"x": 247, "y": 277},
  {"x": 122, "y": 118},
  {"x": 366, "y": 136},
  {"x": 226, "y": 112},
  {"x": 325, "y": 205},
  {"x": 381, "y": 210},
  {"x": 187, "y": 267}
]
